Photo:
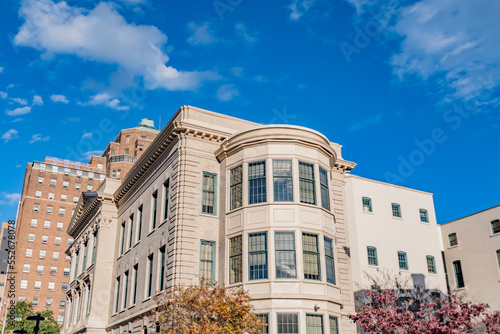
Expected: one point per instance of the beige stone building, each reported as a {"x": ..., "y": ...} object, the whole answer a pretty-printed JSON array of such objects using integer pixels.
[
  {"x": 50, "y": 192},
  {"x": 472, "y": 253},
  {"x": 393, "y": 232},
  {"x": 257, "y": 206}
]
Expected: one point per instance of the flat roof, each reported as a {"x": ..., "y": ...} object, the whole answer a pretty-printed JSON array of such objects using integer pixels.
[
  {"x": 387, "y": 184},
  {"x": 472, "y": 214}
]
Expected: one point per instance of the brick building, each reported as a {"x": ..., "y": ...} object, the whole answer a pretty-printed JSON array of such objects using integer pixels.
[{"x": 50, "y": 192}]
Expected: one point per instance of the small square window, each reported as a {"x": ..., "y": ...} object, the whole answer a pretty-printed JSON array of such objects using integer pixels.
[
  {"x": 62, "y": 211},
  {"x": 55, "y": 256},
  {"x": 396, "y": 210},
  {"x": 495, "y": 226},
  {"x": 42, "y": 254},
  {"x": 40, "y": 180},
  {"x": 31, "y": 237},
  {"x": 49, "y": 302},
  {"x": 51, "y": 196},
  {"x": 45, "y": 239},
  {"x": 39, "y": 269},
  {"x": 452, "y": 237},
  {"x": 77, "y": 186},
  {"x": 38, "y": 194},
  {"x": 60, "y": 226},
  {"x": 34, "y": 222},
  {"x": 34, "y": 302},
  {"x": 89, "y": 188},
  {"x": 38, "y": 285},
  {"x": 24, "y": 284},
  {"x": 36, "y": 207},
  {"x": 46, "y": 224},
  {"x": 58, "y": 241},
  {"x": 66, "y": 171},
  {"x": 26, "y": 268},
  {"x": 52, "y": 286},
  {"x": 64, "y": 287},
  {"x": 29, "y": 252},
  {"x": 64, "y": 198},
  {"x": 75, "y": 199},
  {"x": 403, "y": 261},
  {"x": 91, "y": 176},
  {"x": 22, "y": 298},
  {"x": 53, "y": 182},
  {"x": 99, "y": 166},
  {"x": 62, "y": 303},
  {"x": 49, "y": 209},
  {"x": 367, "y": 204},
  {"x": 53, "y": 270},
  {"x": 424, "y": 218},
  {"x": 70, "y": 241},
  {"x": 66, "y": 271}
]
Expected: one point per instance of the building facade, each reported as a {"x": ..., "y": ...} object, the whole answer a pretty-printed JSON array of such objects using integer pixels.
[
  {"x": 50, "y": 192},
  {"x": 472, "y": 253},
  {"x": 215, "y": 197},
  {"x": 394, "y": 235}
]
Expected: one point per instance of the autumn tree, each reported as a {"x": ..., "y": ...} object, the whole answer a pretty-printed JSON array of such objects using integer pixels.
[
  {"x": 23, "y": 310},
  {"x": 205, "y": 308},
  {"x": 384, "y": 314}
]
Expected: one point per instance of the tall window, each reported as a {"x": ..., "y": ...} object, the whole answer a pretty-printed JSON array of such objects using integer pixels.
[
  {"x": 459, "y": 277},
  {"x": 396, "y": 210},
  {"x": 334, "y": 325},
  {"x": 257, "y": 182},
  {"x": 282, "y": 181},
  {"x": 236, "y": 178},
  {"x": 288, "y": 323},
  {"x": 264, "y": 319},
  {"x": 117, "y": 294},
  {"x": 125, "y": 292},
  {"x": 311, "y": 256},
  {"x": 431, "y": 264},
  {"x": 330, "y": 264},
  {"x": 325, "y": 194},
  {"x": 495, "y": 226},
  {"x": 131, "y": 232},
  {"x": 76, "y": 265},
  {"x": 149, "y": 287},
  {"x": 314, "y": 324},
  {"x": 257, "y": 256},
  {"x": 154, "y": 207},
  {"x": 207, "y": 260},
  {"x": 452, "y": 237},
  {"x": 403, "y": 261},
  {"x": 306, "y": 183},
  {"x": 134, "y": 291},
  {"x": 94, "y": 246},
  {"x": 163, "y": 264},
  {"x": 165, "y": 193},
  {"x": 235, "y": 260},
  {"x": 498, "y": 257},
  {"x": 88, "y": 302},
  {"x": 122, "y": 243},
  {"x": 208, "y": 196},
  {"x": 424, "y": 218},
  {"x": 84, "y": 262},
  {"x": 285, "y": 255},
  {"x": 139, "y": 225}
]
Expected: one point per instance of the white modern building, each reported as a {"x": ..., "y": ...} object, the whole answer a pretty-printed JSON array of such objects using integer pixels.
[
  {"x": 472, "y": 253},
  {"x": 216, "y": 197},
  {"x": 393, "y": 233}
]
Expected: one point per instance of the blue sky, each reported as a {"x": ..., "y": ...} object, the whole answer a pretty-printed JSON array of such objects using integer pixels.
[{"x": 410, "y": 89}]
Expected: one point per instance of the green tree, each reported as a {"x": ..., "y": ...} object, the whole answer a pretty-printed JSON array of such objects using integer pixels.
[{"x": 25, "y": 309}]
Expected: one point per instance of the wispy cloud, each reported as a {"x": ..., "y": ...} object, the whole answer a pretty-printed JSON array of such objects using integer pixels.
[
  {"x": 237, "y": 71},
  {"x": 3, "y": 95},
  {"x": 9, "y": 199},
  {"x": 9, "y": 135},
  {"x": 38, "y": 137},
  {"x": 87, "y": 135},
  {"x": 22, "y": 102},
  {"x": 227, "y": 92},
  {"x": 37, "y": 100},
  {"x": 59, "y": 98},
  {"x": 103, "y": 35},
  {"x": 365, "y": 122},
  {"x": 201, "y": 34},
  {"x": 106, "y": 100},
  {"x": 89, "y": 154},
  {"x": 243, "y": 32},
  {"x": 299, "y": 8},
  {"x": 1, "y": 69},
  {"x": 18, "y": 111}
]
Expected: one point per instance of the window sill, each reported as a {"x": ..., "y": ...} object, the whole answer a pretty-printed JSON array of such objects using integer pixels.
[
  {"x": 368, "y": 212},
  {"x": 495, "y": 235},
  {"x": 131, "y": 306},
  {"x": 450, "y": 247},
  {"x": 398, "y": 218},
  {"x": 152, "y": 231},
  {"x": 147, "y": 299},
  {"x": 136, "y": 243},
  {"x": 163, "y": 222}
]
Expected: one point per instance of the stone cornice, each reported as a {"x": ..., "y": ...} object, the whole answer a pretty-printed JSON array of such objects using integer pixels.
[{"x": 84, "y": 211}]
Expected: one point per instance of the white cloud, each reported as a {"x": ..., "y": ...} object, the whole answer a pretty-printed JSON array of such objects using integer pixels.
[
  {"x": 227, "y": 92},
  {"x": 454, "y": 42},
  {"x": 3, "y": 95},
  {"x": 38, "y": 137},
  {"x": 107, "y": 100},
  {"x": 37, "y": 100},
  {"x": 89, "y": 154},
  {"x": 10, "y": 199},
  {"x": 9, "y": 135},
  {"x": 18, "y": 111},
  {"x": 18, "y": 120},
  {"x": 22, "y": 102},
  {"x": 1, "y": 69},
  {"x": 202, "y": 35},
  {"x": 237, "y": 71},
  {"x": 59, "y": 98},
  {"x": 103, "y": 35},
  {"x": 133, "y": 2},
  {"x": 299, "y": 8},
  {"x": 87, "y": 135},
  {"x": 242, "y": 31},
  {"x": 11, "y": 86}
]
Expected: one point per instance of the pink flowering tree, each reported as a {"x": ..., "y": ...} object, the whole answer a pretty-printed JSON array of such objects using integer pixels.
[{"x": 384, "y": 313}]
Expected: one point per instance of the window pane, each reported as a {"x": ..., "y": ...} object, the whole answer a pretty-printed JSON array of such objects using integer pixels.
[
  {"x": 283, "y": 182},
  {"x": 236, "y": 177},
  {"x": 330, "y": 265},
  {"x": 325, "y": 195},
  {"x": 372, "y": 256},
  {"x": 459, "y": 278},
  {"x": 207, "y": 260},
  {"x": 314, "y": 324},
  {"x": 367, "y": 204},
  {"x": 431, "y": 265},
  {"x": 285, "y": 255},
  {"x": 495, "y": 226},
  {"x": 453, "y": 239},
  {"x": 208, "y": 196},
  {"x": 423, "y": 216},
  {"x": 257, "y": 182},
  {"x": 257, "y": 255},
  {"x": 288, "y": 323},
  {"x": 403, "y": 264},
  {"x": 311, "y": 256},
  {"x": 235, "y": 259},
  {"x": 334, "y": 325},
  {"x": 264, "y": 318},
  {"x": 396, "y": 210},
  {"x": 306, "y": 183}
]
